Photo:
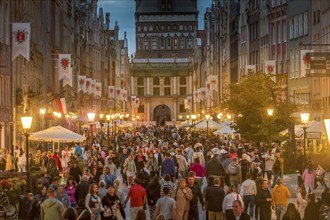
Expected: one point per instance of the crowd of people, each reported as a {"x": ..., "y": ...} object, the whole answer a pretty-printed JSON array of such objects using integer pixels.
[{"x": 161, "y": 172}]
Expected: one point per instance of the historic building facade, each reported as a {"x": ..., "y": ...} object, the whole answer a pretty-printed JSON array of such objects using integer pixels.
[{"x": 162, "y": 69}]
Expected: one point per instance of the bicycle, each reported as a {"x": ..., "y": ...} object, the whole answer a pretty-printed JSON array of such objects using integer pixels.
[{"x": 7, "y": 209}]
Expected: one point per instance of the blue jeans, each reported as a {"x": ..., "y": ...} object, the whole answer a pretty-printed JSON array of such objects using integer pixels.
[{"x": 249, "y": 201}]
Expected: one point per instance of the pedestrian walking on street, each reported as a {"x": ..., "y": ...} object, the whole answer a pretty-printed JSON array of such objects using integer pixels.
[
  {"x": 138, "y": 197},
  {"x": 51, "y": 208},
  {"x": 165, "y": 207},
  {"x": 238, "y": 212},
  {"x": 264, "y": 201},
  {"x": 280, "y": 197},
  {"x": 214, "y": 197},
  {"x": 93, "y": 202},
  {"x": 182, "y": 196}
]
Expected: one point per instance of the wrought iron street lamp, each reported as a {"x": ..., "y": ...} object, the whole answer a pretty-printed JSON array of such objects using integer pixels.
[
  {"x": 207, "y": 117},
  {"x": 193, "y": 119},
  {"x": 270, "y": 112},
  {"x": 304, "y": 117},
  {"x": 26, "y": 123}
]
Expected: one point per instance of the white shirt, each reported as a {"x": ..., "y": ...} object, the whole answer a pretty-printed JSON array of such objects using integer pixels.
[
  {"x": 229, "y": 199},
  {"x": 248, "y": 187}
]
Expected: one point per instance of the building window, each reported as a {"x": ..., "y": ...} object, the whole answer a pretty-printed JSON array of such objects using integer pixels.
[
  {"x": 189, "y": 43},
  {"x": 181, "y": 27},
  {"x": 140, "y": 86},
  {"x": 139, "y": 28},
  {"x": 156, "y": 86},
  {"x": 175, "y": 27},
  {"x": 162, "y": 43},
  {"x": 145, "y": 28},
  {"x": 146, "y": 44},
  {"x": 162, "y": 27},
  {"x": 183, "y": 43},
  {"x": 154, "y": 43},
  {"x": 181, "y": 108},
  {"x": 301, "y": 25},
  {"x": 183, "y": 85},
  {"x": 167, "y": 86},
  {"x": 175, "y": 43},
  {"x": 279, "y": 33},
  {"x": 168, "y": 27},
  {"x": 284, "y": 31},
  {"x": 151, "y": 28},
  {"x": 156, "y": 27},
  {"x": 168, "y": 43},
  {"x": 141, "y": 109},
  {"x": 190, "y": 28},
  {"x": 306, "y": 23}
]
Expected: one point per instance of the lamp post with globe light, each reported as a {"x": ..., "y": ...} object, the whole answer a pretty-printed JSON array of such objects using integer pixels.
[
  {"x": 304, "y": 117},
  {"x": 26, "y": 123},
  {"x": 207, "y": 117},
  {"x": 270, "y": 112}
]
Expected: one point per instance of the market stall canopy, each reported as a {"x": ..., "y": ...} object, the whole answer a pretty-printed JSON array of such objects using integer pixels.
[
  {"x": 225, "y": 130},
  {"x": 185, "y": 123},
  {"x": 57, "y": 134},
  {"x": 212, "y": 125},
  {"x": 312, "y": 127},
  {"x": 97, "y": 124}
]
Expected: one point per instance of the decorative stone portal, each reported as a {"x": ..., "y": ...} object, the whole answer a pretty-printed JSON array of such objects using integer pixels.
[{"x": 162, "y": 113}]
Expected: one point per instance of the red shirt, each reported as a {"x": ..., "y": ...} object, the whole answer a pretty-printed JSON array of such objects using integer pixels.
[{"x": 137, "y": 194}]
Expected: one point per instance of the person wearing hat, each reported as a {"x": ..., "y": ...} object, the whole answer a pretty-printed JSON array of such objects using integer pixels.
[{"x": 280, "y": 197}]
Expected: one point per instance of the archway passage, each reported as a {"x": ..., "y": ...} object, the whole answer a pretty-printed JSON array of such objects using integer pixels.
[{"x": 162, "y": 113}]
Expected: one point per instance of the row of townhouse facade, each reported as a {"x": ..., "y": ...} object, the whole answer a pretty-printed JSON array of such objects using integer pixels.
[
  {"x": 295, "y": 34},
  {"x": 74, "y": 27}
]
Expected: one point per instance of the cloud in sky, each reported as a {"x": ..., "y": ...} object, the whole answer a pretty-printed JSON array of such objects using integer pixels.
[{"x": 123, "y": 12}]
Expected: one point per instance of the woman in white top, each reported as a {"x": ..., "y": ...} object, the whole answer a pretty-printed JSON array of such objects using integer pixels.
[
  {"x": 302, "y": 202},
  {"x": 227, "y": 205},
  {"x": 21, "y": 162},
  {"x": 93, "y": 202}
]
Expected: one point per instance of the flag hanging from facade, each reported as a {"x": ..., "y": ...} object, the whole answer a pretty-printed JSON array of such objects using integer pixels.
[
  {"x": 64, "y": 66},
  {"x": 137, "y": 103},
  {"x": 213, "y": 79},
  {"x": 98, "y": 89},
  {"x": 270, "y": 67},
  {"x": 61, "y": 105},
  {"x": 209, "y": 92},
  {"x": 118, "y": 93},
  {"x": 21, "y": 40},
  {"x": 133, "y": 99},
  {"x": 124, "y": 94},
  {"x": 67, "y": 81},
  {"x": 93, "y": 81},
  {"x": 250, "y": 69},
  {"x": 111, "y": 92},
  {"x": 81, "y": 83},
  {"x": 88, "y": 85},
  {"x": 203, "y": 93},
  {"x": 196, "y": 96},
  {"x": 305, "y": 61}
]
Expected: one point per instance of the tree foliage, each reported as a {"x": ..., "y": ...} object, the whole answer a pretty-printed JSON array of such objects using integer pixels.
[{"x": 249, "y": 101}]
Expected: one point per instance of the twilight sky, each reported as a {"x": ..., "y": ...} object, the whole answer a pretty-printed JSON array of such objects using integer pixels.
[{"x": 123, "y": 12}]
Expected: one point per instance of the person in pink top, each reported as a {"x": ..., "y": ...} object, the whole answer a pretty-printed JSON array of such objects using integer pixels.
[
  {"x": 308, "y": 178},
  {"x": 197, "y": 168}
]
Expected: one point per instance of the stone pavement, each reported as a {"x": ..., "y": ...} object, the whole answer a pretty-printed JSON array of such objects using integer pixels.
[{"x": 290, "y": 180}]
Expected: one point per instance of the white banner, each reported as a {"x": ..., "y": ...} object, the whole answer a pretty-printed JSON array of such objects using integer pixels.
[
  {"x": 133, "y": 99},
  {"x": 64, "y": 66},
  {"x": 93, "y": 81},
  {"x": 270, "y": 67},
  {"x": 250, "y": 69},
  {"x": 189, "y": 98},
  {"x": 98, "y": 89},
  {"x": 81, "y": 83},
  {"x": 67, "y": 81},
  {"x": 137, "y": 103},
  {"x": 196, "y": 96},
  {"x": 118, "y": 94},
  {"x": 213, "y": 79},
  {"x": 124, "y": 94},
  {"x": 88, "y": 85},
  {"x": 21, "y": 40},
  {"x": 111, "y": 92},
  {"x": 305, "y": 61},
  {"x": 209, "y": 92},
  {"x": 203, "y": 93}
]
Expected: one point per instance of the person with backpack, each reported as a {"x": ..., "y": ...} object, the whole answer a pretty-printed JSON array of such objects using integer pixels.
[
  {"x": 234, "y": 172},
  {"x": 276, "y": 170},
  {"x": 227, "y": 205}
]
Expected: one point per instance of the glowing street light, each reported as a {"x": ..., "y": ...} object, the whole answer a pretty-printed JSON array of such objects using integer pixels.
[
  {"x": 304, "y": 118},
  {"x": 26, "y": 124}
]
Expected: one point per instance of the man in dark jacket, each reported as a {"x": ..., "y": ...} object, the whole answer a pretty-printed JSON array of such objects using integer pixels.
[
  {"x": 238, "y": 212},
  {"x": 264, "y": 201},
  {"x": 214, "y": 198},
  {"x": 214, "y": 167},
  {"x": 168, "y": 166},
  {"x": 197, "y": 194},
  {"x": 82, "y": 189}
]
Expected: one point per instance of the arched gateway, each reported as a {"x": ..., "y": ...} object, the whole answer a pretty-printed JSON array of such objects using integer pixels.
[{"x": 162, "y": 113}]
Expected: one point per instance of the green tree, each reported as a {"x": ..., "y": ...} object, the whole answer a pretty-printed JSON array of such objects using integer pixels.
[{"x": 250, "y": 99}]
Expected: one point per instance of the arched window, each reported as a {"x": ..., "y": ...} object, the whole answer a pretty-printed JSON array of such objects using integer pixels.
[
  {"x": 168, "y": 43},
  {"x": 146, "y": 43},
  {"x": 167, "y": 81},
  {"x": 151, "y": 28},
  {"x": 140, "y": 81},
  {"x": 156, "y": 81},
  {"x": 183, "y": 42},
  {"x": 145, "y": 28},
  {"x": 183, "y": 80}
]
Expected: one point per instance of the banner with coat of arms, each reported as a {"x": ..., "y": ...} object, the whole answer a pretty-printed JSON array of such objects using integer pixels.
[
  {"x": 124, "y": 94},
  {"x": 98, "y": 89},
  {"x": 64, "y": 66},
  {"x": 81, "y": 83},
  {"x": 88, "y": 85},
  {"x": 270, "y": 67},
  {"x": 111, "y": 92},
  {"x": 250, "y": 69},
  {"x": 305, "y": 61},
  {"x": 93, "y": 81},
  {"x": 21, "y": 40},
  {"x": 118, "y": 94},
  {"x": 133, "y": 99},
  {"x": 213, "y": 79}
]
